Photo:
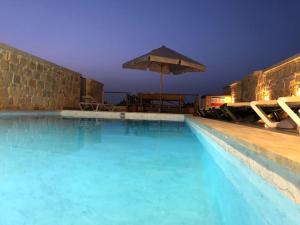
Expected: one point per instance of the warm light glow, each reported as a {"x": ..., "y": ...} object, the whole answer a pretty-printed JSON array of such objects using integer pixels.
[
  {"x": 227, "y": 99},
  {"x": 266, "y": 96},
  {"x": 232, "y": 99},
  {"x": 298, "y": 91}
]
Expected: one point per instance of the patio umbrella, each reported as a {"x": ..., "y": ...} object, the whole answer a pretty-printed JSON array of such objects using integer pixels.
[{"x": 165, "y": 61}]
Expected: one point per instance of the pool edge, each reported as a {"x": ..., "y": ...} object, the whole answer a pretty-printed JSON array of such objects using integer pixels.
[
  {"x": 283, "y": 178},
  {"x": 123, "y": 115}
]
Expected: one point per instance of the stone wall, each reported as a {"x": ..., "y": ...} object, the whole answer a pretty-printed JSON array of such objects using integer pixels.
[
  {"x": 28, "y": 82},
  {"x": 279, "y": 80},
  {"x": 92, "y": 88},
  {"x": 236, "y": 91},
  {"x": 248, "y": 92}
]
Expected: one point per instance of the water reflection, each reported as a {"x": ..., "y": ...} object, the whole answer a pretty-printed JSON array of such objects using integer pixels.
[{"x": 47, "y": 134}]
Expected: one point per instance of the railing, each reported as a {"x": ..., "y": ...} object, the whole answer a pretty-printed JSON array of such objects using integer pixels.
[
  {"x": 112, "y": 97},
  {"x": 132, "y": 101}
]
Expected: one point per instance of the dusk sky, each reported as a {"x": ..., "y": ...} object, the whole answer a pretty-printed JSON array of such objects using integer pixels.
[{"x": 231, "y": 37}]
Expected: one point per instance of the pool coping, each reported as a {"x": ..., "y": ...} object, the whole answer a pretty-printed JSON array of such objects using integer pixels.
[
  {"x": 99, "y": 115},
  {"x": 123, "y": 115},
  {"x": 280, "y": 171},
  {"x": 293, "y": 163}
]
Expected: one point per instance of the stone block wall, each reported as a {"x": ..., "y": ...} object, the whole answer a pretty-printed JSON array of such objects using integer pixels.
[
  {"x": 28, "y": 82},
  {"x": 236, "y": 91},
  {"x": 248, "y": 84},
  {"x": 279, "y": 80},
  {"x": 92, "y": 88}
]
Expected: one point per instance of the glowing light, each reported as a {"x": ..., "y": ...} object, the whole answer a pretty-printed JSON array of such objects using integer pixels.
[
  {"x": 298, "y": 91},
  {"x": 227, "y": 99},
  {"x": 266, "y": 95},
  {"x": 232, "y": 99}
]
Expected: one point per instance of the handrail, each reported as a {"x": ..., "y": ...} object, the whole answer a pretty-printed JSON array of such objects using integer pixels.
[
  {"x": 116, "y": 92},
  {"x": 126, "y": 92},
  {"x": 129, "y": 97}
]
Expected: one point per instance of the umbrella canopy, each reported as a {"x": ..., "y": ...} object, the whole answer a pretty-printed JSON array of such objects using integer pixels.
[{"x": 165, "y": 61}]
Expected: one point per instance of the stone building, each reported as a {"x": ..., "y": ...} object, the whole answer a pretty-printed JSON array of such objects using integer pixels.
[
  {"x": 279, "y": 80},
  {"x": 30, "y": 83}
]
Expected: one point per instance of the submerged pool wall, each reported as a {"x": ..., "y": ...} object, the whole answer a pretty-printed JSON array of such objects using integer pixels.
[{"x": 284, "y": 176}]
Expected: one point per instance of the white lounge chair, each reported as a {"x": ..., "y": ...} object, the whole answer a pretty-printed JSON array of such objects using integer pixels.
[{"x": 88, "y": 102}]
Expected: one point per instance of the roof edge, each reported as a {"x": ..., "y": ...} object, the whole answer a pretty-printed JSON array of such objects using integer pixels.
[
  {"x": 282, "y": 63},
  {"x": 26, "y": 54}
]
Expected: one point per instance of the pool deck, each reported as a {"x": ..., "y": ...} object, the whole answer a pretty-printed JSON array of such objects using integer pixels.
[{"x": 280, "y": 147}]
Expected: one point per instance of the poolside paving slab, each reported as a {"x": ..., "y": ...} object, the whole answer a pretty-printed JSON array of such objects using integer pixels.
[
  {"x": 283, "y": 148},
  {"x": 275, "y": 156}
]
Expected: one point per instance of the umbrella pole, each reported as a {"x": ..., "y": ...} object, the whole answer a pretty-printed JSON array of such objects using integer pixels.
[{"x": 161, "y": 90}]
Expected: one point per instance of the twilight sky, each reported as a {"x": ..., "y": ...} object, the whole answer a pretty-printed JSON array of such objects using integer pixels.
[{"x": 94, "y": 37}]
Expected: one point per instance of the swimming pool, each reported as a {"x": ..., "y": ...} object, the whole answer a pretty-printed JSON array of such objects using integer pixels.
[{"x": 68, "y": 171}]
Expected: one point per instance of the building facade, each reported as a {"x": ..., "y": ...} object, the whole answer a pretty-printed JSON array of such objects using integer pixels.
[{"x": 279, "y": 80}]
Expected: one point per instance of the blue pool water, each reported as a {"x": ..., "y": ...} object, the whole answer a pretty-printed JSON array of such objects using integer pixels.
[{"x": 87, "y": 172}]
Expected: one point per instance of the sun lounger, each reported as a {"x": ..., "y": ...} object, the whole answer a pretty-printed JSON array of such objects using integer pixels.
[
  {"x": 239, "y": 111},
  {"x": 258, "y": 106},
  {"x": 291, "y": 105},
  {"x": 271, "y": 113},
  {"x": 253, "y": 111},
  {"x": 89, "y": 103}
]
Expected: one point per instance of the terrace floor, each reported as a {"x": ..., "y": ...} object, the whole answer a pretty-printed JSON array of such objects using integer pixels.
[{"x": 281, "y": 147}]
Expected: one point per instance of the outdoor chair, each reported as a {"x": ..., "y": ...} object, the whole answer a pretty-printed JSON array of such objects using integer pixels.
[
  {"x": 281, "y": 113},
  {"x": 89, "y": 103}
]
